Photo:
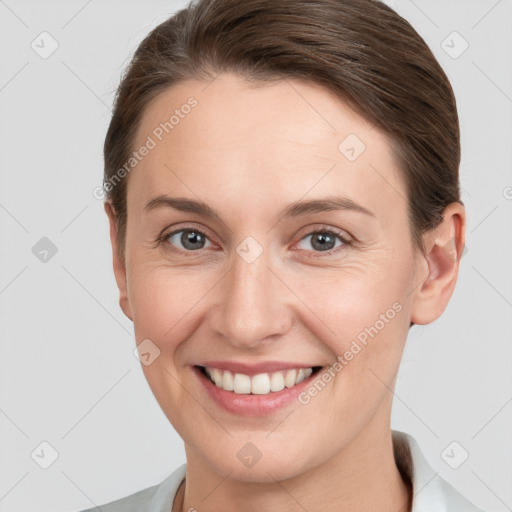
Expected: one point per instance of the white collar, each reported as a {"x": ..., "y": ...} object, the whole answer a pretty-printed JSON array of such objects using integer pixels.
[{"x": 431, "y": 493}]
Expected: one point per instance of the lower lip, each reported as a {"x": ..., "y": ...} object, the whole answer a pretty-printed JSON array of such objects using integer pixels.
[{"x": 252, "y": 405}]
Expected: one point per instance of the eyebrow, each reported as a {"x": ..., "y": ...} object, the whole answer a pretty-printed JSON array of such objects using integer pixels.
[{"x": 295, "y": 209}]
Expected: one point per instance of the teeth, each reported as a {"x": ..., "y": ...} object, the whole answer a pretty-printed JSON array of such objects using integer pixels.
[
  {"x": 228, "y": 381},
  {"x": 277, "y": 382},
  {"x": 289, "y": 380},
  {"x": 301, "y": 375},
  {"x": 217, "y": 377},
  {"x": 242, "y": 384},
  {"x": 261, "y": 384}
]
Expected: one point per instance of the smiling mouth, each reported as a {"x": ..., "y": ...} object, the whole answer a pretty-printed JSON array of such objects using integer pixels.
[{"x": 260, "y": 384}]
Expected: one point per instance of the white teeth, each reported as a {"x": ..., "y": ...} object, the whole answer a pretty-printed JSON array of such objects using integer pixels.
[
  {"x": 228, "y": 383},
  {"x": 261, "y": 384},
  {"x": 242, "y": 384},
  {"x": 277, "y": 382},
  {"x": 301, "y": 375},
  {"x": 290, "y": 378},
  {"x": 217, "y": 377}
]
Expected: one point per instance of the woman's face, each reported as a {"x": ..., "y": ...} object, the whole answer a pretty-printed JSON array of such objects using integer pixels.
[{"x": 246, "y": 274}]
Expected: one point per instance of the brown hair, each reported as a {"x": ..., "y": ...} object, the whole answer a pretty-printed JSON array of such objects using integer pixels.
[{"x": 361, "y": 50}]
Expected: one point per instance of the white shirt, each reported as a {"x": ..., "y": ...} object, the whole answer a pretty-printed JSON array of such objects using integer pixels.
[{"x": 431, "y": 492}]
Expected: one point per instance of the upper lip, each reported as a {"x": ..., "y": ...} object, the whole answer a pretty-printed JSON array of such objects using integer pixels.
[{"x": 255, "y": 368}]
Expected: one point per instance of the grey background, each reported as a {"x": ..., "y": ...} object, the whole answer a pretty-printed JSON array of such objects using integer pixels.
[{"x": 68, "y": 375}]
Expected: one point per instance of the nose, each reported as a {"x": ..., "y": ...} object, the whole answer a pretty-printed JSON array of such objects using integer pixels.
[{"x": 251, "y": 309}]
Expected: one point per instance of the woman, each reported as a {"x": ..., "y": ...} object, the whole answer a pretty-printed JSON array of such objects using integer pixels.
[{"x": 283, "y": 197}]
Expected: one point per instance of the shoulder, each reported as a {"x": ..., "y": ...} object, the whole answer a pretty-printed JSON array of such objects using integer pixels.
[
  {"x": 452, "y": 499},
  {"x": 157, "y": 498},
  {"x": 431, "y": 493},
  {"x": 129, "y": 503}
]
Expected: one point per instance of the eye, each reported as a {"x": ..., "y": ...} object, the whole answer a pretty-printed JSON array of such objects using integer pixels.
[
  {"x": 191, "y": 239},
  {"x": 324, "y": 240}
]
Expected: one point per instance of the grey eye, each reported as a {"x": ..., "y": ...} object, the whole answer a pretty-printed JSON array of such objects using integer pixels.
[
  {"x": 190, "y": 239},
  {"x": 322, "y": 241}
]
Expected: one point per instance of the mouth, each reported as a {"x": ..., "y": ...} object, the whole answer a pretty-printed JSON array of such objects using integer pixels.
[{"x": 260, "y": 384}]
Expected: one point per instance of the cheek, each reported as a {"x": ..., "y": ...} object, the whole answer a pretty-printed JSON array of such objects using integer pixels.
[
  {"x": 363, "y": 312},
  {"x": 161, "y": 302}
]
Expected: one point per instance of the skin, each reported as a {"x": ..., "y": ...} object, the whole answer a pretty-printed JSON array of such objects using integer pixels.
[{"x": 249, "y": 151}]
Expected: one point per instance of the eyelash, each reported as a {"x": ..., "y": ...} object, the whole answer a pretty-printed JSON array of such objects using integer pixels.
[
  {"x": 330, "y": 231},
  {"x": 315, "y": 254}
]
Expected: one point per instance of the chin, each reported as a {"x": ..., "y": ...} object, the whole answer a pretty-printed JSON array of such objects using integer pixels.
[{"x": 251, "y": 465}]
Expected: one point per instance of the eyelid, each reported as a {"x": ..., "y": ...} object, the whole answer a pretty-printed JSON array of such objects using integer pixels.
[
  {"x": 172, "y": 230},
  {"x": 166, "y": 234},
  {"x": 346, "y": 240},
  {"x": 341, "y": 235},
  {"x": 325, "y": 228}
]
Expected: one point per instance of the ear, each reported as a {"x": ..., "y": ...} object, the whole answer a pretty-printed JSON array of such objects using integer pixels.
[
  {"x": 438, "y": 268},
  {"x": 118, "y": 262}
]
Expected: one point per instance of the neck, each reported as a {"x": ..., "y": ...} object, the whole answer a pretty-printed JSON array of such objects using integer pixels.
[{"x": 362, "y": 477}]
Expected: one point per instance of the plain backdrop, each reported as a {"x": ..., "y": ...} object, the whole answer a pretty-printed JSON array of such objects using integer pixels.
[{"x": 68, "y": 376}]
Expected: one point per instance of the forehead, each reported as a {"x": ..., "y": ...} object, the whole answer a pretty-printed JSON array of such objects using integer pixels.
[{"x": 267, "y": 145}]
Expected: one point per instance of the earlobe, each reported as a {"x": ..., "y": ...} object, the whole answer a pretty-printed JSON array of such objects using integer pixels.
[
  {"x": 438, "y": 268},
  {"x": 118, "y": 262}
]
